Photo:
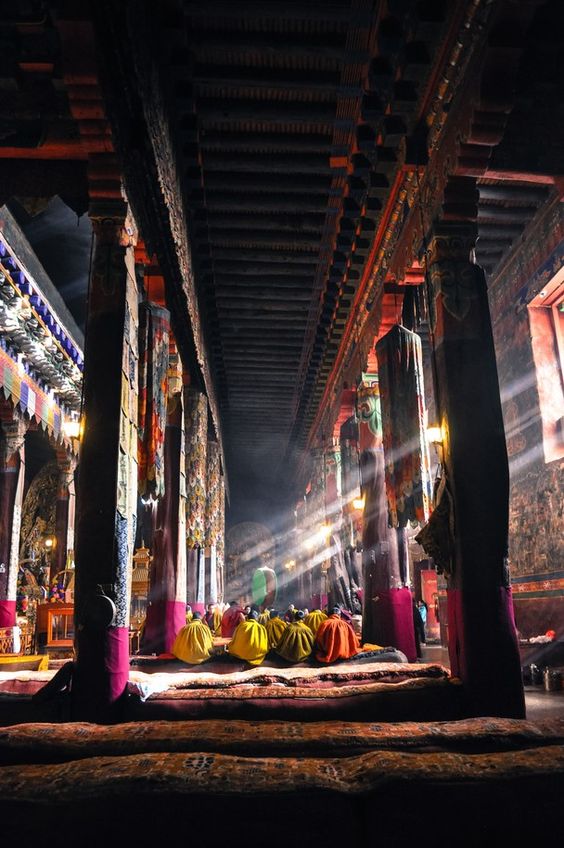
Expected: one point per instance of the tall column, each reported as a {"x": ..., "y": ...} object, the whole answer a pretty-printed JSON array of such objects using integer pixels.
[
  {"x": 220, "y": 543},
  {"x": 107, "y": 490},
  {"x": 480, "y": 608},
  {"x": 387, "y": 609},
  {"x": 64, "y": 510},
  {"x": 213, "y": 507},
  {"x": 166, "y": 612},
  {"x": 12, "y": 469},
  {"x": 196, "y": 428}
]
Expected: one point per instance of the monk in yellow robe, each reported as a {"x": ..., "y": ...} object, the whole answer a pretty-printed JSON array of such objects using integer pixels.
[
  {"x": 194, "y": 643},
  {"x": 313, "y": 619},
  {"x": 264, "y": 617},
  {"x": 275, "y": 628},
  {"x": 335, "y": 640},
  {"x": 250, "y": 641},
  {"x": 296, "y": 643},
  {"x": 189, "y": 614}
]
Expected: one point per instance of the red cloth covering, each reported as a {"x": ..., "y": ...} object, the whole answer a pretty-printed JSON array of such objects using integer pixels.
[
  {"x": 231, "y": 618},
  {"x": 393, "y": 621},
  {"x": 7, "y": 613},
  {"x": 335, "y": 640}
]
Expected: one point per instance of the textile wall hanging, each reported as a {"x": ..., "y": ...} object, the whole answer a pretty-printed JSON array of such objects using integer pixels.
[
  {"x": 196, "y": 434},
  {"x": 213, "y": 493},
  {"x": 154, "y": 329},
  {"x": 402, "y": 398}
]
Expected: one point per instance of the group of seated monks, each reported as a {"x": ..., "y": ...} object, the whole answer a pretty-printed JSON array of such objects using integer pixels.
[{"x": 295, "y": 637}]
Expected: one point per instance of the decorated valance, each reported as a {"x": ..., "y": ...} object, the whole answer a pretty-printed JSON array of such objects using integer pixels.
[
  {"x": 154, "y": 328},
  {"x": 27, "y": 396},
  {"x": 400, "y": 372}
]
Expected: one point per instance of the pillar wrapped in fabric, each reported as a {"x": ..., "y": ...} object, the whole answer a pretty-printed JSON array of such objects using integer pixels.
[
  {"x": 480, "y": 608},
  {"x": 64, "y": 511},
  {"x": 402, "y": 397},
  {"x": 220, "y": 542},
  {"x": 350, "y": 461},
  {"x": 196, "y": 433},
  {"x": 387, "y": 610},
  {"x": 166, "y": 613},
  {"x": 106, "y": 508},
  {"x": 12, "y": 475},
  {"x": 154, "y": 328},
  {"x": 212, "y": 514}
]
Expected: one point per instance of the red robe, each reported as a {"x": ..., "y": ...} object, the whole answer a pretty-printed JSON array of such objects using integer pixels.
[
  {"x": 231, "y": 618},
  {"x": 335, "y": 640}
]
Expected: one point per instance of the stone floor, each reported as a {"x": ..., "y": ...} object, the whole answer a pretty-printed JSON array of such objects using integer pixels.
[{"x": 539, "y": 703}]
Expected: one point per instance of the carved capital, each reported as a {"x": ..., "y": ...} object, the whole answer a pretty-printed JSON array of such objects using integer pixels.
[
  {"x": 451, "y": 243},
  {"x": 113, "y": 223},
  {"x": 13, "y": 433}
]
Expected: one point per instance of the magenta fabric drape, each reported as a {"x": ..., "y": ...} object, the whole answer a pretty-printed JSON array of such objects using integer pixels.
[
  {"x": 100, "y": 680},
  {"x": 476, "y": 622},
  {"x": 7, "y": 613},
  {"x": 393, "y": 621}
]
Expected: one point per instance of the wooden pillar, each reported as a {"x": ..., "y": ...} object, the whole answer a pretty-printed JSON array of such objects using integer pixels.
[
  {"x": 64, "y": 511},
  {"x": 12, "y": 468},
  {"x": 107, "y": 490},
  {"x": 482, "y": 638}
]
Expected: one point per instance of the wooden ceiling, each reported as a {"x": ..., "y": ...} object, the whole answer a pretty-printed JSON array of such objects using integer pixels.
[
  {"x": 262, "y": 144},
  {"x": 288, "y": 119}
]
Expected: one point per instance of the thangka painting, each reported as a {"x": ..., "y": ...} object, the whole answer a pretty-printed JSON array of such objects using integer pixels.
[
  {"x": 154, "y": 328},
  {"x": 196, "y": 434},
  {"x": 402, "y": 397}
]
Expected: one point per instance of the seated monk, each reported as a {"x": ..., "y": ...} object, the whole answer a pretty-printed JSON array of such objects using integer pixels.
[
  {"x": 264, "y": 617},
  {"x": 275, "y": 628},
  {"x": 213, "y": 619},
  {"x": 194, "y": 643},
  {"x": 313, "y": 619},
  {"x": 232, "y": 617},
  {"x": 250, "y": 642},
  {"x": 296, "y": 643},
  {"x": 335, "y": 640}
]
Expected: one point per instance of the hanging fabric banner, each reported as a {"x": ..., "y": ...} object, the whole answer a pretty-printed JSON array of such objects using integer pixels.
[
  {"x": 196, "y": 430},
  {"x": 402, "y": 397},
  {"x": 154, "y": 328},
  {"x": 213, "y": 472}
]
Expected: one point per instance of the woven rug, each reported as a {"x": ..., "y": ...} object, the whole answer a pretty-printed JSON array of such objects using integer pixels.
[{"x": 38, "y": 743}]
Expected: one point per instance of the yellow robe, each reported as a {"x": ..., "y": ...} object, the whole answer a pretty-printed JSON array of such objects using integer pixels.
[
  {"x": 296, "y": 643},
  {"x": 189, "y": 617},
  {"x": 264, "y": 617},
  {"x": 250, "y": 642},
  {"x": 313, "y": 619},
  {"x": 193, "y": 643},
  {"x": 275, "y": 628}
]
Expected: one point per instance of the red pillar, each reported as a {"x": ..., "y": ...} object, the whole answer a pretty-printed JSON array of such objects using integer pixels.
[
  {"x": 107, "y": 490},
  {"x": 11, "y": 494},
  {"x": 482, "y": 638}
]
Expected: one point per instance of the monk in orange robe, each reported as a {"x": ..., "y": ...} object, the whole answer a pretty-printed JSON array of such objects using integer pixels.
[
  {"x": 335, "y": 639},
  {"x": 232, "y": 616}
]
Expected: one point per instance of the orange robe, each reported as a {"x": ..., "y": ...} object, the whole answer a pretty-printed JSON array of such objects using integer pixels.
[
  {"x": 231, "y": 618},
  {"x": 335, "y": 640}
]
